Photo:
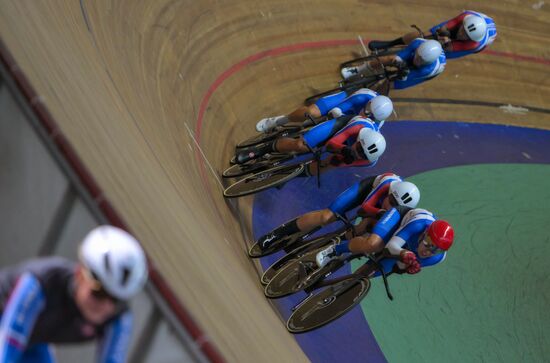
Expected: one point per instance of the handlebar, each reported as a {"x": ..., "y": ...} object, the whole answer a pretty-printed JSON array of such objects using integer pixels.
[
  {"x": 375, "y": 259},
  {"x": 346, "y": 221},
  {"x": 317, "y": 157},
  {"x": 311, "y": 121}
]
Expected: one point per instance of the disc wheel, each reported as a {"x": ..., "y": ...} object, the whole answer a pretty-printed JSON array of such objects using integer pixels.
[
  {"x": 256, "y": 251},
  {"x": 281, "y": 131},
  {"x": 328, "y": 305},
  {"x": 298, "y": 275},
  {"x": 263, "y": 180},
  {"x": 254, "y": 166},
  {"x": 298, "y": 252}
]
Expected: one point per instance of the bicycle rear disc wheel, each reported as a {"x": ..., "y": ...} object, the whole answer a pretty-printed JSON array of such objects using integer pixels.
[
  {"x": 256, "y": 251},
  {"x": 254, "y": 166},
  {"x": 280, "y": 131},
  {"x": 263, "y": 180},
  {"x": 257, "y": 139},
  {"x": 291, "y": 278},
  {"x": 328, "y": 305}
]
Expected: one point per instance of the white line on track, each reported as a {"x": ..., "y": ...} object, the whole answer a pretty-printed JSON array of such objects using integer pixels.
[{"x": 204, "y": 156}]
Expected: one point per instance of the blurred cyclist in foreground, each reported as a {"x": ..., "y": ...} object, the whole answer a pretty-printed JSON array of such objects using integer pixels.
[{"x": 54, "y": 300}]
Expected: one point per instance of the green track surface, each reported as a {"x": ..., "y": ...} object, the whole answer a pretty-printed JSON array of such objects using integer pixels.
[{"x": 489, "y": 301}]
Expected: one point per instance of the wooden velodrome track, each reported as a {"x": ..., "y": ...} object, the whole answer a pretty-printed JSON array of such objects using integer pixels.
[{"x": 137, "y": 87}]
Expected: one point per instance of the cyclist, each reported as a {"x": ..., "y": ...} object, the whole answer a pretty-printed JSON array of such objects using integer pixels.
[
  {"x": 419, "y": 240},
  {"x": 357, "y": 143},
  {"x": 54, "y": 300},
  {"x": 420, "y": 61},
  {"x": 468, "y": 33},
  {"x": 375, "y": 106},
  {"x": 374, "y": 194}
]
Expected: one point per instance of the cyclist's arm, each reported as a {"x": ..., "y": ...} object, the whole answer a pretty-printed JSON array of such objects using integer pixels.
[
  {"x": 354, "y": 103},
  {"x": 408, "y": 53},
  {"x": 380, "y": 232},
  {"x": 26, "y": 302},
  {"x": 455, "y": 22},
  {"x": 463, "y": 45},
  {"x": 337, "y": 142},
  {"x": 395, "y": 245},
  {"x": 369, "y": 205},
  {"x": 419, "y": 73},
  {"x": 115, "y": 343},
  {"x": 449, "y": 25}
]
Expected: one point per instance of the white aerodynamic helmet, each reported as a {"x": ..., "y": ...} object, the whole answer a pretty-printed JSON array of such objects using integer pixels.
[
  {"x": 475, "y": 27},
  {"x": 381, "y": 107},
  {"x": 405, "y": 193},
  {"x": 429, "y": 51},
  {"x": 373, "y": 143},
  {"x": 116, "y": 260}
]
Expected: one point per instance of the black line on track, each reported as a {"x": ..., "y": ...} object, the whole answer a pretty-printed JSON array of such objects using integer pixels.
[
  {"x": 466, "y": 103},
  {"x": 85, "y": 15}
]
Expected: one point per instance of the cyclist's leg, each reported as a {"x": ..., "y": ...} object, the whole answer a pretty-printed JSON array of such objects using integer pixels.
[
  {"x": 320, "y": 133},
  {"x": 365, "y": 226},
  {"x": 327, "y": 103},
  {"x": 300, "y": 113},
  {"x": 316, "y": 218},
  {"x": 406, "y": 39},
  {"x": 288, "y": 145},
  {"x": 38, "y": 353},
  {"x": 347, "y": 200},
  {"x": 312, "y": 138}
]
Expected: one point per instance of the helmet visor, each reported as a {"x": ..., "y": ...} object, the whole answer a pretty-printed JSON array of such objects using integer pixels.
[
  {"x": 429, "y": 245},
  {"x": 393, "y": 201},
  {"x": 98, "y": 291},
  {"x": 360, "y": 151}
]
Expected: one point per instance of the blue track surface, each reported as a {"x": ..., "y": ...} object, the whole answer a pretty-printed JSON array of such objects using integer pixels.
[{"x": 413, "y": 147}]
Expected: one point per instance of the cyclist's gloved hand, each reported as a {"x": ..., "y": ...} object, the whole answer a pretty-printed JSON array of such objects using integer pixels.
[
  {"x": 347, "y": 153},
  {"x": 409, "y": 259},
  {"x": 443, "y": 32}
]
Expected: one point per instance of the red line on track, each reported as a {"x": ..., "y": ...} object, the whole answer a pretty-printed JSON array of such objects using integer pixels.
[
  {"x": 294, "y": 48},
  {"x": 254, "y": 58},
  {"x": 518, "y": 57}
]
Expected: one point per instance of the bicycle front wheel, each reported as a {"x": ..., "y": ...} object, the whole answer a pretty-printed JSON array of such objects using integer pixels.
[
  {"x": 328, "y": 305},
  {"x": 263, "y": 180}
]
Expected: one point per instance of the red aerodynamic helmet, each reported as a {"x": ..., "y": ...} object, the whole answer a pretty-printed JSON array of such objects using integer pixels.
[{"x": 442, "y": 234}]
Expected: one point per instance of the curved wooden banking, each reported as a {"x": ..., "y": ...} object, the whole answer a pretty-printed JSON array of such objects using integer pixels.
[{"x": 140, "y": 91}]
